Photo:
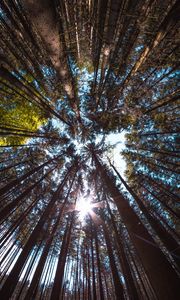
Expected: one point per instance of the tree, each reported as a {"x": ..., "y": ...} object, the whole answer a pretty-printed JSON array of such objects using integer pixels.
[{"x": 72, "y": 73}]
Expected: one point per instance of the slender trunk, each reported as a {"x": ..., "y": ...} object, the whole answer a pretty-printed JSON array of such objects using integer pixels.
[
  {"x": 168, "y": 23},
  {"x": 101, "y": 291},
  {"x": 37, "y": 275},
  {"x": 165, "y": 280},
  {"x": 168, "y": 208},
  {"x": 8, "y": 208},
  {"x": 14, "y": 165},
  {"x": 162, "y": 102},
  {"x": 93, "y": 266},
  {"x": 171, "y": 154},
  {"x": 166, "y": 238},
  {"x": 161, "y": 186},
  {"x": 116, "y": 279},
  {"x": 154, "y": 133},
  {"x": 132, "y": 291},
  {"x": 88, "y": 277},
  {"x": 5, "y": 189},
  {"x": 13, "y": 277},
  {"x": 58, "y": 280}
]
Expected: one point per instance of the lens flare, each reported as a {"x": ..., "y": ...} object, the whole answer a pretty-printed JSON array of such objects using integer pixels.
[{"x": 84, "y": 206}]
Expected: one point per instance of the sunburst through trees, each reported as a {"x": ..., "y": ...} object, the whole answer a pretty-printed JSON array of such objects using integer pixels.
[{"x": 73, "y": 225}]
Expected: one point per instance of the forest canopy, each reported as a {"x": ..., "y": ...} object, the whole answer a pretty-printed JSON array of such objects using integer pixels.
[
  {"x": 73, "y": 225},
  {"x": 16, "y": 112}
]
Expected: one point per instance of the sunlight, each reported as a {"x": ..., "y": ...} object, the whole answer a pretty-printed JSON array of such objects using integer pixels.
[
  {"x": 118, "y": 141},
  {"x": 84, "y": 206}
]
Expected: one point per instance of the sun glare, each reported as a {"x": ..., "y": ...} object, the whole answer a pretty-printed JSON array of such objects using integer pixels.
[{"x": 84, "y": 206}]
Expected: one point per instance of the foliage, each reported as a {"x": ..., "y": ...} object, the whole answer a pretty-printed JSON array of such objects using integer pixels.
[
  {"x": 72, "y": 73},
  {"x": 16, "y": 111}
]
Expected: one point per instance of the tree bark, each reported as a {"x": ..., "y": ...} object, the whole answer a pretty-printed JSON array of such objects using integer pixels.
[{"x": 161, "y": 274}]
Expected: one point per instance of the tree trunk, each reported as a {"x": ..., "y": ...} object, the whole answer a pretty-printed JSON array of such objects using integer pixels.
[
  {"x": 117, "y": 283},
  {"x": 13, "y": 277},
  {"x": 161, "y": 274},
  {"x": 132, "y": 291},
  {"x": 58, "y": 280},
  {"x": 101, "y": 292},
  {"x": 5, "y": 189},
  {"x": 166, "y": 238}
]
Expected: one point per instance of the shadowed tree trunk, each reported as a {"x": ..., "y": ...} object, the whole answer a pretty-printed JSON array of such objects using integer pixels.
[
  {"x": 165, "y": 280},
  {"x": 8, "y": 208},
  {"x": 44, "y": 254},
  {"x": 166, "y": 238},
  {"x": 93, "y": 265},
  {"x": 132, "y": 291},
  {"x": 58, "y": 280},
  {"x": 101, "y": 290},
  {"x": 5, "y": 189},
  {"x": 13, "y": 277},
  {"x": 116, "y": 277}
]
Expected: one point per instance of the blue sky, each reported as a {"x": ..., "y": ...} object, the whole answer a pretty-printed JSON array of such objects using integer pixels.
[{"x": 117, "y": 139}]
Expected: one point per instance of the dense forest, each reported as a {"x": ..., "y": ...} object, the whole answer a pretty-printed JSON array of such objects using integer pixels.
[{"x": 73, "y": 225}]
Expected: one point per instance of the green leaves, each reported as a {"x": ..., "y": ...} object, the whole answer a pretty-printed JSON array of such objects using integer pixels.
[{"x": 17, "y": 112}]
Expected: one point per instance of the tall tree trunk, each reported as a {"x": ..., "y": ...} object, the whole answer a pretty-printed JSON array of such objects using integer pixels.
[
  {"x": 13, "y": 277},
  {"x": 5, "y": 189},
  {"x": 39, "y": 269},
  {"x": 166, "y": 238},
  {"x": 161, "y": 274},
  {"x": 116, "y": 279},
  {"x": 93, "y": 265},
  {"x": 58, "y": 280},
  {"x": 9, "y": 207},
  {"x": 132, "y": 291},
  {"x": 101, "y": 291}
]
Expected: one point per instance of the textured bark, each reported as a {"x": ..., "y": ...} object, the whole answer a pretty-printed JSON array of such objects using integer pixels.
[
  {"x": 44, "y": 16},
  {"x": 166, "y": 238},
  {"x": 165, "y": 280},
  {"x": 126, "y": 270}
]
